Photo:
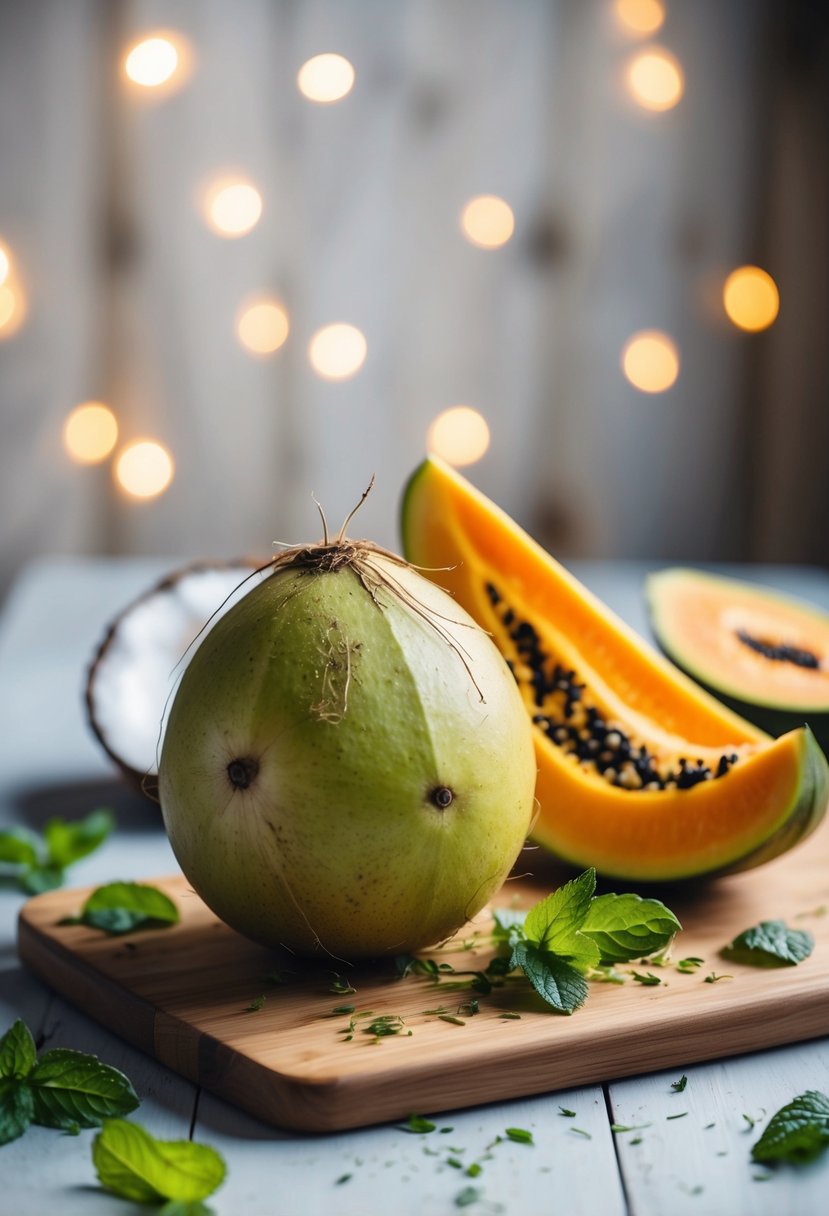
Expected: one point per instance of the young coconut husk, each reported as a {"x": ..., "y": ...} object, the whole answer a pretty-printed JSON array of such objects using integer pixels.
[
  {"x": 348, "y": 766},
  {"x": 129, "y": 677}
]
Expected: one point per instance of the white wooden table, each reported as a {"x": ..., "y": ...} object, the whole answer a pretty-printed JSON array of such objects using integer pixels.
[{"x": 698, "y": 1164}]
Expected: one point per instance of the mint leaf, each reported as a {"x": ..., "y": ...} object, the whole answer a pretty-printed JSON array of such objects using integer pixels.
[
  {"x": 18, "y": 1053},
  {"x": 73, "y": 1089},
  {"x": 626, "y": 927},
  {"x": 770, "y": 944},
  {"x": 134, "y": 1165},
  {"x": 41, "y": 878},
  {"x": 16, "y": 1109},
  {"x": 18, "y": 847},
  {"x": 67, "y": 842},
  {"x": 561, "y": 985},
  {"x": 418, "y": 1125},
  {"x": 509, "y": 925},
  {"x": 797, "y": 1132},
  {"x": 553, "y": 922},
  {"x": 122, "y": 907}
]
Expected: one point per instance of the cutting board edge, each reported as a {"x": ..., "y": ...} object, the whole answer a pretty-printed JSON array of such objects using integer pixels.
[{"x": 329, "y": 1104}]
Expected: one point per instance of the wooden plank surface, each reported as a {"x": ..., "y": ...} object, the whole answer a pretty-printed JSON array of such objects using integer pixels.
[{"x": 183, "y": 993}]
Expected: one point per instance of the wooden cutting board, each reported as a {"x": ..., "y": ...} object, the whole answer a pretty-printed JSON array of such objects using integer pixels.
[{"x": 182, "y": 994}]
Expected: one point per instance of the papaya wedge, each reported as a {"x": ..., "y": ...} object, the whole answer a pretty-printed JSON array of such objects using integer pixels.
[{"x": 641, "y": 773}]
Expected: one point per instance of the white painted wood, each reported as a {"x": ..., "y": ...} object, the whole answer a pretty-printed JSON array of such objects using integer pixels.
[
  {"x": 395, "y": 1171},
  {"x": 685, "y": 1165}
]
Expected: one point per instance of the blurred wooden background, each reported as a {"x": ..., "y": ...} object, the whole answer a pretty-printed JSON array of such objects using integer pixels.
[{"x": 625, "y": 220}]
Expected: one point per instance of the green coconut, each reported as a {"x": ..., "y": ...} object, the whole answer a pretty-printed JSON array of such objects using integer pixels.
[{"x": 347, "y": 766}]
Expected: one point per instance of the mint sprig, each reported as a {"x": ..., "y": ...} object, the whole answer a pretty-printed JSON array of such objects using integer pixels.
[
  {"x": 39, "y": 862},
  {"x": 124, "y": 907},
  {"x": 134, "y": 1165},
  {"x": 569, "y": 933},
  {"x": 797, "y": 1132},
  {"x": 63, "y": 1089},
  {"x": 770, "y": 944}
]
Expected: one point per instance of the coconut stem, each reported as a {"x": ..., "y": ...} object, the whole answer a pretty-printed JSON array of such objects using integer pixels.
[{"x": 354, "y": 511}]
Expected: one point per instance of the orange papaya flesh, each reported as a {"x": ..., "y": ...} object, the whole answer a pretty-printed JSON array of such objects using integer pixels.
[{"x": 688, "y": 787}]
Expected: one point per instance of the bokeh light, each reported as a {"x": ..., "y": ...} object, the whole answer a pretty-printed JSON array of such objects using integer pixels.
[
  {"x": 640, "y": 16},
  {"x": 337, "y": 351},
  {"x": 158, "y": 63},
  {"x": 144, "y": 469},
  {"x": 751, "y": 298},
  {"x": 325, "y": 78},
  {"x": 460, "y": 435},
  {"x": 650, "y": 360},
  {"x": 263, "y": 326},
  {"x": 487, "y": 221},
  {"x": 12, "y": 309},
  {"x": 655, "y": 79},
  {"x": 232, "y": 207},
  {"x": 90, "y": 432},
  {"x": 5, "y": 264}
]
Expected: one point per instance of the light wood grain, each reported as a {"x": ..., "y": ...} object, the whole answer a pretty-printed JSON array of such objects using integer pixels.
[{"x": 182, "y": 994}]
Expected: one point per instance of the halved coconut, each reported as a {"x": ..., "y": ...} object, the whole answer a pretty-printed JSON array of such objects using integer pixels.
[{"x": 145, "y": 650}]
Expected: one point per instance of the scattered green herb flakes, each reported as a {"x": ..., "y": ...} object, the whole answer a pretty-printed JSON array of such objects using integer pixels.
[
  {"x": 713, "y": 978},
  {"x": 455, "y": 1163},
  {"x": 38, "y": 862},
  {"x": 770, "y": 944},
  {"x": 510, "y": 1017},
  {"x": 681, "y": 1115},
  {"x": 635, "y": 1140},
  {"x": 579, "y": 1131},
  {"x": 339, "y": 986},
  {"x": 688, "y": 966},
  {"x": 796, "y": 1133},
  {"x": 819, "y": 911},
  {"x": 519, "y": 1135},
  {"x": 450, "y": 1017},
  {"x": 679, "y": 1086},
  {"x": 256, "y": 1004},
  {"x": 63, "y": 1089},
  {"x": 628, "y": 1127},
  {"x": 605, "y": 973},
  {"x": 343, "y": 1178},
  {"x": 418, "y": 1125},
  {"x": 568, "y": 1114},
  {"x": 708, "y": 1126},
  {"x": 468, "y": 1196},
  {"x": 125, "y": 907},
  {"x": 469, "y": 1008},
  {"x": 444, "y": 1131},
  {"x": 341, "y": 1009},
  {"x": 474, "y": 1170},
  {"x": 751, "y": 1121},
  {"x": 134, "y": 1165},
  {"x": 649, "y": 980}
]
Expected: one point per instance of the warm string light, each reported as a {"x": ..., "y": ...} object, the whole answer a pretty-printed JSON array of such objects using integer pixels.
[
  {"x": 144, "y": 469},
  {"x": 460, "y": 435},
  {"x": 650, "y": 361},
  {"x": 158, "y": 63},
  {"x": 487, "y": 221},
  {"x": 262, "y": 326},
  {"x": 326, "y": 78},
  {"x": 750, "y": 298},
  {"x": 232, "y": 207},
  {"x": 5, "y": 264},
  {"x": 90, "y": 432},
  {"x": 337, "y": 351},
  {"x": 655, "y": 79},
  {"x": 639, "y": 17}
]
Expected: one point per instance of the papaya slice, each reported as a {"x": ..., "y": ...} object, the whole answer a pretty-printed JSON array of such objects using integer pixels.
[
  {"x": 641, "y": 773},
  {"x": 763, "y": 652}
]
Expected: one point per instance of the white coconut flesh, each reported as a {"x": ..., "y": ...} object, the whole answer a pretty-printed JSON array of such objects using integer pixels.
[{"x": 145, "y": 652}]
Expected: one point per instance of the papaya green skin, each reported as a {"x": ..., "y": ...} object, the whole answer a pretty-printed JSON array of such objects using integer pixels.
[
  {"x": 807, "y": 810},
  {"x": 356, "y": 711}
]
